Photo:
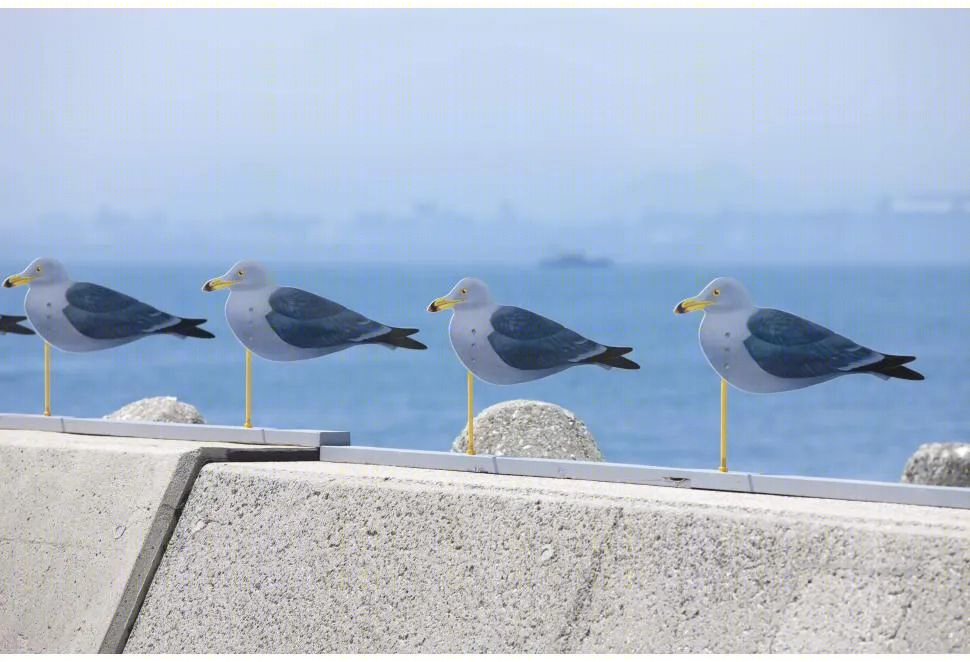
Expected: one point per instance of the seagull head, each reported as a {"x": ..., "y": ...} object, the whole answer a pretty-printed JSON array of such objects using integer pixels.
[
  {"x": 244, "y": 275},
  {"x": 467, "y": 293},
  {"x": 720, "y": 296},
  {"x": 42, "y": 271}
]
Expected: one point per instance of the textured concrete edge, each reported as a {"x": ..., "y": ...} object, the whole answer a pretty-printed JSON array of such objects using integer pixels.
[
  {"x": 199, "y": 432},
  {"x": 372, "y": 553},
  {"x": 794, "y": 486},
  {"x": 163, "y": 526}
]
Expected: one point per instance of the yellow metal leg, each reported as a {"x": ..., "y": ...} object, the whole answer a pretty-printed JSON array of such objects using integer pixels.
[
  {"x": 47, "y": 379},
  {"x": 249, "y": 390},
  {"x": 724, "y": 425},
  {"x": 471, "y": 415}
]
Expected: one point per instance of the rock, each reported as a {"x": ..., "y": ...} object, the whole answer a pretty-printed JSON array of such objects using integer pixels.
[
  {"x": 529, "y": 428},
  {"x": 165, "y": 409},
  {"x": 939, "y": 464}
]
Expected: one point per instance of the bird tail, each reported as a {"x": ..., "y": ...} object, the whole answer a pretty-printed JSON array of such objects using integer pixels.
[
  {"x": 188, "y": 328},
  {"x": 892, "y": 366},
  {"x": 399, "y": 338},
  {"x": 9, "y": 324},
  {"x": 612, "y": 357}
]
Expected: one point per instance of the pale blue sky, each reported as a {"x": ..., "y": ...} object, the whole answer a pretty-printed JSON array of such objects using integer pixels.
[{"x": 549, "y": 116}]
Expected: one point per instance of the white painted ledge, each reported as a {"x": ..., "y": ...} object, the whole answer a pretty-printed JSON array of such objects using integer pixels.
[
  {"x": 335, "y": 447},
  {"x": 175, "y": 431},
  {"x": 796, "y": 486}
]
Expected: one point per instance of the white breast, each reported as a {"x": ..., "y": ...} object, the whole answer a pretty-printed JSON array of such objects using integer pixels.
[
  {"x": 722, "y": 340},
  {"x": 469, "y": 339}
]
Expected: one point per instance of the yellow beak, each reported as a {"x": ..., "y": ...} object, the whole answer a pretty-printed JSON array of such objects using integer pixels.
[
  {"x": 17, "y": 279},
  {"x": 444, "y": 303},
  {"x": 217, "y": 284},
  {"x": 690, "y": 305}
]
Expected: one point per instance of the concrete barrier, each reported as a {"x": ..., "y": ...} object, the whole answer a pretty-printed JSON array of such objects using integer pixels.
[
  {"x": 83, "y": 523},
  {"x": 321, "y": 557}
]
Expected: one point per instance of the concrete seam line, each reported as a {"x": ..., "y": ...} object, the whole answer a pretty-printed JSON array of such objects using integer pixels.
[
  {"x": 163, "y": 526},
  {"x": 151, "y": 554}
]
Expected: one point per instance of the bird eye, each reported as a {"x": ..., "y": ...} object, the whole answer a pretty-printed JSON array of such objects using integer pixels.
[
  {"x": 38, "y": 269},
  {"x": 239, "y": 273},
  {"x": 464, "y": 291},
  {"x": 716, "y": 292}
]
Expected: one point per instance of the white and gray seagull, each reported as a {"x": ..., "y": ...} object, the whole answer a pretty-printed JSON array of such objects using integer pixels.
[
  {"x": 288, "y": 324},
  {"x": 83, "y": 317},
  {"x": 763, "y": 350},
  {"x": 509, "y": 345}
]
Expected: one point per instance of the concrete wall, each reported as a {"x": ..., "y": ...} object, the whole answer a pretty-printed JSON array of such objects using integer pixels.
[
  {"x": 315, "y": 557},
  {"x": 83, "y": 523}
]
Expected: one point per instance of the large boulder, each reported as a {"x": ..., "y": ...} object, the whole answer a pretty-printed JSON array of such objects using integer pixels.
[
  {"x": 529, "y": 428},
  {"x": 939, "y": 464},
  {"x": 165, "y": 409}
]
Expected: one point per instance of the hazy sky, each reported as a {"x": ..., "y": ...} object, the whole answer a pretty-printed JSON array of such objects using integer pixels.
[{"x": 544, "y": 115}]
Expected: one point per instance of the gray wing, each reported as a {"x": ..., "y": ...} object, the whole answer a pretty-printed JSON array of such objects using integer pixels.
[
  {"x": 528, "y": 341},
  {"x": 103, "y": 314},
  {"x": 787, "y": 346},
  {"x": 306, "y": 320}
]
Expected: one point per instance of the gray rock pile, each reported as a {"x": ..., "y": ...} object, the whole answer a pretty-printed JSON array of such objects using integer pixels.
[
  {"x": 939, "y": 464},
  {"x": 529, "y": 428},
  {"x": 165, "y": 409}
]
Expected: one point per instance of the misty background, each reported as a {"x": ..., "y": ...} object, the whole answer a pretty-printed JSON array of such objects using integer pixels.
[
  {"x": 376, "y": 157},
  {"x": 437, "y": 136}
]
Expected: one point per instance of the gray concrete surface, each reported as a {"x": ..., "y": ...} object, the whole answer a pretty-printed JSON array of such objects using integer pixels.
[
  {"x": 939, "y": 464},
  {"x": 82, "y": 526},
  {"x": 163, "y": 409},
  {"x": 341, "y": 557},
  {"x": 530, "y": 428}
]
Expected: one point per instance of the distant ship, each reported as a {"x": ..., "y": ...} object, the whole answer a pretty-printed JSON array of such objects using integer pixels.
[
  {"x": 927, "y": 204},
  {"x": 573, "y": 260}
]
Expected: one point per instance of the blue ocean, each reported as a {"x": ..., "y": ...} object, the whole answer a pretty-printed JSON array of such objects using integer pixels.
[{"x": 664, "y": 414}]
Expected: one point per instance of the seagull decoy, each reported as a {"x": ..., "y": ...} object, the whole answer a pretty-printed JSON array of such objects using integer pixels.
[
  {"x": 289, "y": 324},
  {"x": 83, "y": 317},
  {"x": 763, "y": 350},
  {"x": 508, "y": 345}
]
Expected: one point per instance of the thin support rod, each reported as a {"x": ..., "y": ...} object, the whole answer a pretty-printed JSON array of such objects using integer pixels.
[
  {"x": 724, "y": 425},
  {"x": 471, "y": 415},
  {"x": 47, "y": 379},
  {"x": 249, "y": 390}
]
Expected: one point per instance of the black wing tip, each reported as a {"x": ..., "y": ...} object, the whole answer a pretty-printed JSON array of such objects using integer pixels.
[
  {"x": 188, "y": 328},
  {"x": 613, "y": 357},
  {"x": 892, "y": 366},
  {"x": 902, "y": 372},
  {"x": 398, "y": 337},
  {"x": 10, "y": 324},
  {"x": 893, "y": 359}
]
